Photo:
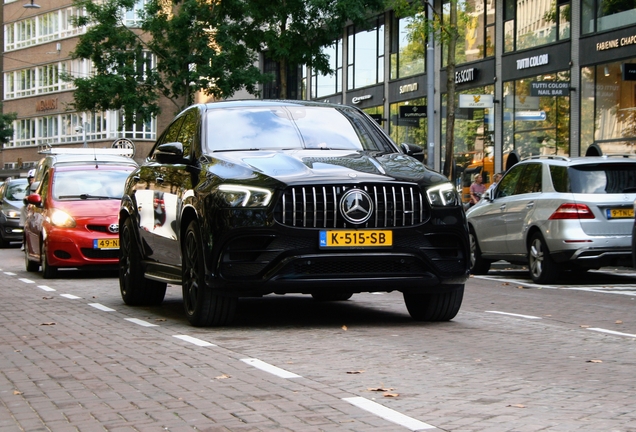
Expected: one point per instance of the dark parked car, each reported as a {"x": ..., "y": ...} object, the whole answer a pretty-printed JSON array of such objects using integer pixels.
[
  {"x": 12, "y": 192},
  {"x": 248, "y": 198}
]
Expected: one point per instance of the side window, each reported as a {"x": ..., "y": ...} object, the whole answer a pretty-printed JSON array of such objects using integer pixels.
[
  {"x": 508, "y": 184},
  {"x": 560, "y": 179},
  {"x": 530, "y": 181},
  {"x": 188, "y": 131},
  {"x": 2, "y": 188},
  {"x": 170, "y": 135},
  {"x": 43, "y": 187}
]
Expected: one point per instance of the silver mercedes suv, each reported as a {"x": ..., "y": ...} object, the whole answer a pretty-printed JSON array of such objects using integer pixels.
[{"x": 557, "y": 213}]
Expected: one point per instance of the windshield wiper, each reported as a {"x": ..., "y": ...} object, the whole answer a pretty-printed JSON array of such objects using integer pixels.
[{"x": 87, "y": 197}]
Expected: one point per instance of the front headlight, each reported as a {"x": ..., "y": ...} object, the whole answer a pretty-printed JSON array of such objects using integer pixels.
[
  {"x": 11, "y": 214},
  {"x": 443, "y": 195},
  {"x": 61, "y": 219},
  {"x": 244, "y": 196}
]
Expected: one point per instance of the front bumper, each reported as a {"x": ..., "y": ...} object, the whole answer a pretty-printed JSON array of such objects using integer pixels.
[{"x": 75, "y": 248}]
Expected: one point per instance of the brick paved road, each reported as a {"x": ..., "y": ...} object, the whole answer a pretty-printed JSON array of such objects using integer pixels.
[{"x": 74, "y": 357}]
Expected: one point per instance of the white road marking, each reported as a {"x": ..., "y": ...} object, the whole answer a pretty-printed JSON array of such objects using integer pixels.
[
  {"x": 45, "y": 288},
  {"x": 28, "y": 281},
  {"x": 69, "y": 296},
  {"x": 612, "y": 332},
  {"x": 9, "y": 274},
  {"x": 258, "y": 364},
  {"x": 623, "y": 289},
  {"x": 141, "y": 322},
  {"x": 101, "y": 307},
  {"x": 388, "y": 414},
  {"x": 515, "y": 315},
  {"x": 194, "y": 340}
]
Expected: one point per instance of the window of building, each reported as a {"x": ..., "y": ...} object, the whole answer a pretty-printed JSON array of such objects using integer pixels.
[
  {"x": 408, "y": 47},
  {"x": 325, "y": 85},
  {"x": 599, "y": 15},
  {"x": 365, "y": 59},
  {"x": 476, "y": 24},
  {"x": 608, "y": 116},
  {"x": 27, "y": 82},
  {"x": 536, "y": 125},
  {"x": 133, "y": 17},
  {"x": 531, "y": 23}
]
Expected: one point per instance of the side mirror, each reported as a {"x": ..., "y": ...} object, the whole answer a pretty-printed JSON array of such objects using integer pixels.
[
  {"x": 169, "y": 152},
  {"x": 34, "y": 199},
  {"x": 488, "y": 195},
  {"x": 413, "y": 150}
]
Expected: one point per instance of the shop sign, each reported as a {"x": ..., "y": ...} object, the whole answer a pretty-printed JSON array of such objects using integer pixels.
[
  {"x": 46, "y": 105},
  {"x": 522, "y": 102},
  {"x": 408, "y": 88},
  {"x": 475, "y": 101},
  {"x": 616, "y": 43},
  {"x": 629, "y": 72},
  {"x": 550, "y": 88},
  {"x": 356, "y": 100},
  {"x": 533, "y": 61},
  {"x": 466, "y": 75},
  {"x": 412, "y": 111}
]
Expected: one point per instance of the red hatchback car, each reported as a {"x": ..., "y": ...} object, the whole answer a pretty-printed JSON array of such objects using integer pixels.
[{"x": 72, "y": 217}]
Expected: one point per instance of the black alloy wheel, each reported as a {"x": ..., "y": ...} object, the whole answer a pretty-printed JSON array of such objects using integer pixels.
[
  {"x": 542, "y": 267},
  {"x": 202, "y": 305},
  {"x": 442, "y": 306}
]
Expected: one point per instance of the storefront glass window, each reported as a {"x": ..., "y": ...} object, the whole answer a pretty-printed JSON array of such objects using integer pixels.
[
  {"x": 531, "y": 23},
  {"x": 376, "y": 112},
  {"x": 599, "y": 15},
  {"x": 536, "y": 125},
  {"x": 608, "y": 113},
  {"x": 328, "y": 84},
  {"x": 408, "y": 48},
  {"x": 476, "y": 24},
  {"x": 365, "y": 63},
  {"x": 408, "y": 130}
]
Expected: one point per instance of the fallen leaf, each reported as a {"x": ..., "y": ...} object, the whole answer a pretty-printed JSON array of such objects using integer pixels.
[
  {"x": 595, "y": 361},
  {"x": 618, "y": 322},
  {"x": 379, "y": 389},
  {"x": 47, "y": 298},
  {"x": 48, "y": 323},
  {"x": 355, "y": 372},
  {"x": 517, "y": 406},
  {"x": 344, "y": 327},
  {"x": 505, "y": 283},
  {"x": 547, "y": 315},
  {"x": 224, "y": 376},
  {"x": 391, "y": 394},
  {"x": 160, "y": 319},
  {"x": 521, "y": 287},
  {"x": 17, "y": 392},
  {"x": 17, "y": 351},
  {"x": 471, "y": 275},
  {"x": 584, "y": 326}
]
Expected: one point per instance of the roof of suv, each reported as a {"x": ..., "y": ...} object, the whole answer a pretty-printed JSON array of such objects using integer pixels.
[
  {"x": 583, "y": 160},
  {"x": 81, "y": 156}
]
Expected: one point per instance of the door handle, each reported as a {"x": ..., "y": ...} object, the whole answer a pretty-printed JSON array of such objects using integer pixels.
[
  {"x": 502, "y": 207},
  {"x": 159, "y": 179},
  {"x": 530, "y": 204}
]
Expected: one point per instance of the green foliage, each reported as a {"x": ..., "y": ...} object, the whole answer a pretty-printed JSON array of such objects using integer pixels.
[
  {"x": 6, "y": 129},
  {"x": 196, "y": 49}
]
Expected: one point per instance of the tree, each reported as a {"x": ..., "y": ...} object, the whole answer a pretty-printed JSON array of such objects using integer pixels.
[
  {"x": 6, "y": 129},
  {"x": 292, "y": 32},
  {"x": 194, "y": 43},
  {"x": 447, "y": 32}
]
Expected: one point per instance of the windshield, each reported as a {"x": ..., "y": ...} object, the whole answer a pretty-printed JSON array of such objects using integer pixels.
[
  {"x": 291, "y": 127},
  {"x": 603, "y": 178},
  {"x": 89, "y": 184},
  {"x": 16, "y": 191}
]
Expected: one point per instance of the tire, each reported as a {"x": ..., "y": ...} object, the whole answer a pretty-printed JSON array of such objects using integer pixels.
[
  {"x": 542, "y": 267},
  {"x": 330, "y": 296},
  {"x": 442, "y": 306},
  {"x": 478, "y": 265},
  {"x": 135, "y": 289},
  {"x": 31, "y": 266},
  {"x": 202, "y": 306},
  {"x": 48, "y": 271}
]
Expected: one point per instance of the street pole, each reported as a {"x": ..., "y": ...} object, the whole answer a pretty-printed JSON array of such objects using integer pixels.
[{"x": 430, "y": 93}]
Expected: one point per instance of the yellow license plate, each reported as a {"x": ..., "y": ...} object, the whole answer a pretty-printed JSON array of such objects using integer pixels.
[
  {"x": 620, "y": 213},
  {"x": 106, "y": 243},
  {"x": 356, "y": 238}
]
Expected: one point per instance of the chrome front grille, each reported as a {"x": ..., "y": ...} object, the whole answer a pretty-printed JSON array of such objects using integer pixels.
[{"x": 394, "y": 205}]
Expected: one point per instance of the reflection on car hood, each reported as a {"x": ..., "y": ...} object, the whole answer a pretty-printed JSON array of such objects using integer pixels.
[
  {"x": 89, "y": 208},
  {"x": 301, "y": 166}
]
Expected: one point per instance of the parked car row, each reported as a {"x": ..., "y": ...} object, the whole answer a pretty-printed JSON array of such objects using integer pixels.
[{"x": 557, "y": 213}]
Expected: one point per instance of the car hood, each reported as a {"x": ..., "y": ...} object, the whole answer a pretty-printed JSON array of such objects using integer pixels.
[
  {"x": 104, "y": 208},
  {"x": 302, "y": 166}
]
